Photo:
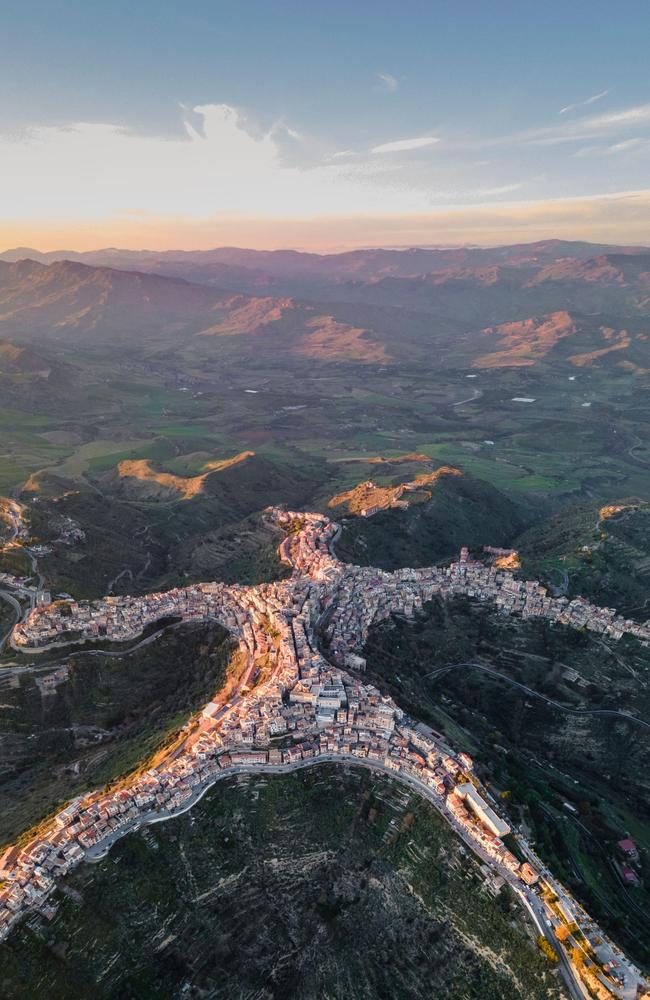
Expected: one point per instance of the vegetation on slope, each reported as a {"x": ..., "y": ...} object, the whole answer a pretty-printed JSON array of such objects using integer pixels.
[
  {"x": 110, "y": 713},
  {"x": 461, "y": 511},
  {"x": 526, "y": 699},
  {"x": 320, "y": 883},
  {"x": 600, "y": 552}
]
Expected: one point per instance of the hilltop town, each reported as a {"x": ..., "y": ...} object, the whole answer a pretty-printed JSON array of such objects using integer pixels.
[{"x": 301, "y": 698}]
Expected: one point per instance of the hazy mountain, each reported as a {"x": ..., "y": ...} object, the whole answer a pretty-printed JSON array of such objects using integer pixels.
[
  {"x": 581, "y": 311},
  {"x": 289, "y": 272},
  {"x": 66, "y": 296},
  {"x": 74, "y": 303},
  {"x": 15, "y": 360}
]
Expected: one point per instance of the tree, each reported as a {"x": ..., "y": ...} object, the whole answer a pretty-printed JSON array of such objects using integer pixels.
[{"x": 547, "y": 949}]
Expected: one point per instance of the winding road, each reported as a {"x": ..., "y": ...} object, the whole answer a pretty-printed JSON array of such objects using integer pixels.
[
  {"x": 9, "y": 598},
  {"x": 527, "y": 896},
  {"x": 470, "y": 399},
  {"x": 623, "y": 716}
]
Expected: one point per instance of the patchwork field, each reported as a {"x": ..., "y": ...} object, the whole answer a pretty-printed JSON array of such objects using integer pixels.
[{"x": 147, "y": 432}]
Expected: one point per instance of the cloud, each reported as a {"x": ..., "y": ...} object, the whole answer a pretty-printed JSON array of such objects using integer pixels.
[
  {"x": 635, "y": 145},
  {"x": 225, "y": 181},
  {"x": 628, "y": 145},
  {"x": 85, "y": 170},
  {"x": 388, "y": 82},
  {"x": 638, "y": 115},
  {"x": 586, "y": 151},
  {"x": 582, "y": 104},
  {"x": 623, "y": 218},
  {"x": 493, "y": 192},
  {"x": 591, "y": 127},
  {"x": 292, "y": 133},
  {"x": 402, "y": 145},
  {"x": 579, "y": 129}
]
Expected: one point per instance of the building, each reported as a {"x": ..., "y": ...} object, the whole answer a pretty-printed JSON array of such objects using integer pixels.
[{"x": 482, "y": 810}]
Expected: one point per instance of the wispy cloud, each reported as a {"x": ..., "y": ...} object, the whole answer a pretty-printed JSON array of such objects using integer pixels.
[
  {"x": 638, "y": 115},
  {"x": 493, "y": 191},
  {"x": 388, "y": 82},
  {"x": 628, "y": 145},
  {"x": 583, "y": 104},
  {"x": 593, "y": 126},
  {"x": 402, "y": 145},
  {"x": 634, "y": 146},
  {"x": 621, "y": 124}
]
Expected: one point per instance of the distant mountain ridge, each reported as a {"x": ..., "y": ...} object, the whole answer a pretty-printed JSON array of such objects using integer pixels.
[
  {"x": 75, "y": 303},
  {"x": 362, "y": 263},
  {"x": 312, "y": 275},
  {"x": 603, "y": 302}
]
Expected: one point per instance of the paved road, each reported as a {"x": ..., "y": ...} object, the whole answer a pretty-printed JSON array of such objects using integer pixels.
[
  {"x": 536, "y": 694},
  {"x": 527, "y": 896},
  {"x": 5, "y": 595},
  {"x": 34, "y": 651},
  {"x": 470, "y": 399}
]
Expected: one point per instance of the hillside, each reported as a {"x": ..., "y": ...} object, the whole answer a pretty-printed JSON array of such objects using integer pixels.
[
  {"x": 15, "y": 360},
  {"x": 462, "y": 510},
  {"x": 137, "y": 528},
  {"x": 67, "y": 298},
  {"x": 566, "y": 337},
  {"x": 575, "y": 311},
  {"x": 601, "y": 552},
  {"x": 229, "y": 488},
  {"x": 136, "y": 479},
  {"x": 99, "y": 718},
  {"x": 367, "y": 497},
  {"x": 506, "y": 292},
  {"x": 321, "y": 883},
  {"x": 78, "y": 305},
  {"x": 520, "y": 695},
  {"x": 613, "y": 268},
  {"x": 269, "y": 265}
]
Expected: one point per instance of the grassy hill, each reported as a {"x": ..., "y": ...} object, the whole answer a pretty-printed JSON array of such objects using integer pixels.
[
  {"x": 101, "y": 722},
  {"x": 518, "y": 696},
  {"x": 600, "y": 552},
  {"x": 322, "y": 883},
  {"x": 139, "y": 529},
  {"x": 462, "y": 510}
]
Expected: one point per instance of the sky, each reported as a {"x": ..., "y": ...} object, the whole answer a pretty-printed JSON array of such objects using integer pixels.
[{"x": 322, "y": 124}]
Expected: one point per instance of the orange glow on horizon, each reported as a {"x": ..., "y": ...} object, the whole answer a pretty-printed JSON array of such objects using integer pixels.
[{"x": 621, "y": 219}]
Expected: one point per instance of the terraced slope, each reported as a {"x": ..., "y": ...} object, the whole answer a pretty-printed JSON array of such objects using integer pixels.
[{"x": 321, "y": 883}]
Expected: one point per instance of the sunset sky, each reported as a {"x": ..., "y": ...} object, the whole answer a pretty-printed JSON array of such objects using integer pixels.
[{"x": 323, "y": 125}]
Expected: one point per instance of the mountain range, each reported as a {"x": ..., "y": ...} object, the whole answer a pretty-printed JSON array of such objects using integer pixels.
[{"x": 521, "y": 305}]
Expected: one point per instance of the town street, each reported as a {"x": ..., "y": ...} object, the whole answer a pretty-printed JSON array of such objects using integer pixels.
[{"x": 300, "y": 699}]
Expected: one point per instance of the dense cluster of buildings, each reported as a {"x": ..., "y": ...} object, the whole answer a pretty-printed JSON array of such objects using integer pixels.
[
  {"x": 292, "y": 704},
  {"x": 361, "y": 596}
]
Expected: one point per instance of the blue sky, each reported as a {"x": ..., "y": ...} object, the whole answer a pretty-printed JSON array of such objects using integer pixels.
[{"x": 334, "y": 108}]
